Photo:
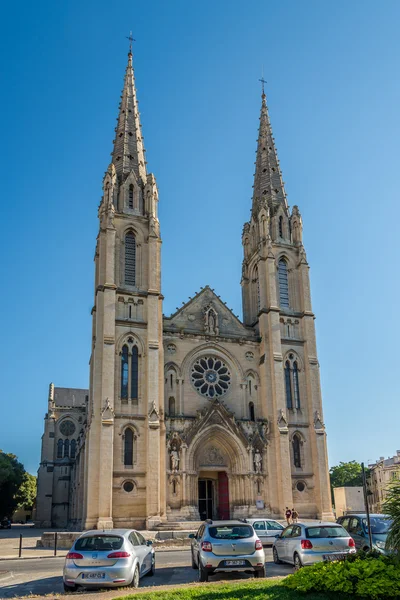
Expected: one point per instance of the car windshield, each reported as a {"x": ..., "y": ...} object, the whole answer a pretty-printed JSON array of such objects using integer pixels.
[
  {"x": 231, "y": 532},
  {"x": 99, "y": 542},
  {"x": 327, "y": 531},
  {"x": 378, "y": 524}
]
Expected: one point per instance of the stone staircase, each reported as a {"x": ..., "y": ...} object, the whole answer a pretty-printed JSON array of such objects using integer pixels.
[{"x": 178, "y": 526}]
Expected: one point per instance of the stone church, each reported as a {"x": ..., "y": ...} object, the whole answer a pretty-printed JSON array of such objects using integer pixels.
[{"x": 197, "y": 414}]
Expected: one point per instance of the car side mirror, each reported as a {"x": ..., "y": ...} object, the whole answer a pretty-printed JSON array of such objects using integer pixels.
[
  {"x": 192, "y": 536},
  {"x": 149, "y": 542}
]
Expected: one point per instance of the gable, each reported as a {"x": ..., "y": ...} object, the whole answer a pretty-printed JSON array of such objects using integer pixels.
[{"x": 206, "y": 314}]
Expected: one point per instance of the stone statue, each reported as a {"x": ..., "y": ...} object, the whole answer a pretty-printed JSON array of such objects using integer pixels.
[
  {"x": 174, "y": 459},
  {"x": 257, "y": 461}
]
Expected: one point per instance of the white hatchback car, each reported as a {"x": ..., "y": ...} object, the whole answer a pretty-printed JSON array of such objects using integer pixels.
[{"x": 266, "y": 529}]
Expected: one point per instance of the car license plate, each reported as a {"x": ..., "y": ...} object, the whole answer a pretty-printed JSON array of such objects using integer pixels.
[
  {"x": 235, "y": 563},
  {"x": 93, "y": 575},
  {"x": 331, "y": 557}
]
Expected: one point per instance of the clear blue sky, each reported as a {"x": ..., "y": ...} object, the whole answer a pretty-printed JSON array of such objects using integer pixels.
[{"x": 334, "y": 96}]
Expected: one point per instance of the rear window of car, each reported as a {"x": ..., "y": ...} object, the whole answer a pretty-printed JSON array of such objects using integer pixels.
[
  {"x": 326, "y": 532},
  {"x": 99, "y": 542},
  {"x": 231, "y": 532}
]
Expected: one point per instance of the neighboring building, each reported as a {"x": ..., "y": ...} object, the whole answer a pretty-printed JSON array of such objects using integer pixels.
[
  {"x": 63, "y": 430},
  {"x": 381, "y": 474},
  {"x": 348, "y": 500},
  {"x": 198, "y": 414}
]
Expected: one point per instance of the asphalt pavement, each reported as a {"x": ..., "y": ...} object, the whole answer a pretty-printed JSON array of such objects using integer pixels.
[{"x": 19, "y": 578}]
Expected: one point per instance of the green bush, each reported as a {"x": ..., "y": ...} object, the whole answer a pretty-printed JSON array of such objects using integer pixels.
[{"x": 363, "y": 575}]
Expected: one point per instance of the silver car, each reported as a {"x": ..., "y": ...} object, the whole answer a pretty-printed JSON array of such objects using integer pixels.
[
  {"x": 266, "y": 529},
  {"x": 109, "y": 558},
  {"x": 305, "y": 544},
  {"x": 226, "y": 547}
]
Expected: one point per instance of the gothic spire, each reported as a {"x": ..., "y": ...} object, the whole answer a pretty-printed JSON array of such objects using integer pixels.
[
  {"x": 128, "y": 153},
  {"x": 268, "y": 182}
]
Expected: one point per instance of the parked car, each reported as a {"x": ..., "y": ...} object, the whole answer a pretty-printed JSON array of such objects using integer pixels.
[
  {"x": 266, "y": 529},
  {"x": 226, "y": 547},
  {"x": 357, "y": 526},
  {"x": 110, "y": 558},
  {"x": 5, "y": 523},
  {"x": 305, "y": 544}
]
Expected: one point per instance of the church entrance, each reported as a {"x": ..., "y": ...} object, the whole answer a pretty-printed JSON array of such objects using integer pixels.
[{"x": 213, "y": 490}]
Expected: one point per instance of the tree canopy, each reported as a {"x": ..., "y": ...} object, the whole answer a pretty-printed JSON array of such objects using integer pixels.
[
  {"x": 26, "y": 495},
  {"x": 11, "y": 478},
  {"x": 346, "y": 474},
  {"x": 391, "y": 507}
]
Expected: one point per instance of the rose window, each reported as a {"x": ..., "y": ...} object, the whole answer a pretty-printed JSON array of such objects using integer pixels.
[
  {"x": 211, "y": 376},
  {"x": 67, "y": 428}
]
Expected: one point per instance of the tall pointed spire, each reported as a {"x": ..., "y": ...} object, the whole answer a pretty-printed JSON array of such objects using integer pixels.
[
  {"x": 268, "y": 182},
  {"x": 128, "y": 152}
]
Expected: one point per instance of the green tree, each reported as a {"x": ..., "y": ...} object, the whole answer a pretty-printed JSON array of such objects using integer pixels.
[
  {"x": 391, "y": 507},
  {"x": 346, "y": 474},
  {"x": 26, "y": 493},
  {"x": 11, "y": 477}
]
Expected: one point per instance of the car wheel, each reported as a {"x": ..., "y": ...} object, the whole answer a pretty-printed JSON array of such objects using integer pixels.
[
  {"x": 261, "y": 573},
  {"x": 277, "y": 561},
  {"x": 194, "y": 566},
  {"x": 70, "y": 588},
  {"x": 135, "y": 578},
  {"x": 297, "y": 562},
  {"x": 203, "y": 575}
]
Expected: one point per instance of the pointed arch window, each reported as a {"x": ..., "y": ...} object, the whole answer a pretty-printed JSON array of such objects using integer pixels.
[
  {"x": 296, "y": 451},
  {"x": 296, "y": 389},
  {"x": 292, "y": 383},
  {"x": 251, "y": 411},
  {"x": 130, "y": 259},
  {"x": 124, "y": 372},
  {"x": 171, "y": 406},
  {"x": 73, "y": 448},
  {"x": 283, "y": 283},
  {"x": 130, "y": 196},
  {"x": 66, "y": 448},
  {"x": 288, "y": 385},
  {"x": 281, "y": 226},
  {"x": 128, "y": 447},
  {"x": 60, "y": 445},
  {"x": 134, "y": 373}
]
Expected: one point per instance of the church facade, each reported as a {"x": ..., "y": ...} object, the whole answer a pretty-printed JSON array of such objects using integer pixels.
[{"x": 199, "y": 414}]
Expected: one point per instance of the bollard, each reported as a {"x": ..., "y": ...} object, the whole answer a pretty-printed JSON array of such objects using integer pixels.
[
  {"x": 55, "y": 544},
  {"x": 20, "y": 546}
]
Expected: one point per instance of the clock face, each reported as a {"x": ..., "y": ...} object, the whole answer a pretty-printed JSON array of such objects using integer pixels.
[
  {"x": 67, "y": 428},
  {"x": 210, "y": 376}
]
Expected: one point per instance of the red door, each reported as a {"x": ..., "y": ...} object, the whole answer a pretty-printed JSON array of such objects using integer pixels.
[{"x": 223, "y": 495}]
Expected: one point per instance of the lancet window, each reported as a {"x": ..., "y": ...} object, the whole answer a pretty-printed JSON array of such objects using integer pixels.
[
  {"x": 129, "y": 439},
  {"x": 283, "y": 283},
  {"x": 130, "y": 259},
  {"x": 296, "y": 451},
  {"x": 292, "y": 383},
  {"x": 129, "y": 373},
  {"x": 130, "y": 196}
]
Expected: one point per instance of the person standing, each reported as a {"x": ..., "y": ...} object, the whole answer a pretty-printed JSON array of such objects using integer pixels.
[
  {"x": 295, "y": 515},
  {"x": 288, "y": 515}
]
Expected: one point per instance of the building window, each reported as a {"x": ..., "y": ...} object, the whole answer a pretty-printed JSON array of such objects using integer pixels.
[
  {"x": 296, "y": 391},
  {"x": 130, "y": 196},
  {"x": 251, "y": 411},
  {"x": 283, "y": 283},
  {"x": 60, "y": 445},
  {"x": 73, "y": 448},
  {"x": 128, "y": 486},
  {"x": 134, "y": 373},
  {"x": 281, "y": 226},
  {"x": 66, "y": 448},
  {"x": 289, "y": 399},
  {"x": 296, "y": 451},
  {"x": 171, "y": 407},
  {"x": 124, "y": 373},
  {"x": 128, "y": 447},
  {"x": 130, "y": 259}
]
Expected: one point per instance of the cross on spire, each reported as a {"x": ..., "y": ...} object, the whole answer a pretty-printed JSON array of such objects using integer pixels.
[
  {"x": 131, "y": 39},
  {"x": 263, "y": 81}
]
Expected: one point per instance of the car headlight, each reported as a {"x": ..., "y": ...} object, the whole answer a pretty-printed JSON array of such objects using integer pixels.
[{"x": 379, "y": 544}]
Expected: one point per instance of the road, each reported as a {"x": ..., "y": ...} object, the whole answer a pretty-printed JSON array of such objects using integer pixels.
[{"x": 44, "y": 576}]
